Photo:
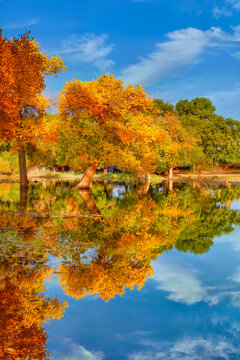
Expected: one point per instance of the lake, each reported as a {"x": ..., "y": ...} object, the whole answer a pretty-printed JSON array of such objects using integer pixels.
[{"x": 120, "y": 272}]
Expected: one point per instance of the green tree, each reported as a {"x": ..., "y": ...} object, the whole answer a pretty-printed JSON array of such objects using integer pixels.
[{"x": 217, "y": 137}]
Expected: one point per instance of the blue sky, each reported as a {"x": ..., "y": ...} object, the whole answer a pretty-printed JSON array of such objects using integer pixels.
[{"x": 176, "y": 49}]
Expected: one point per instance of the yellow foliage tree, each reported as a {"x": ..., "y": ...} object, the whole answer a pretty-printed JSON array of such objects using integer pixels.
[{"x": 105, "y": 122}]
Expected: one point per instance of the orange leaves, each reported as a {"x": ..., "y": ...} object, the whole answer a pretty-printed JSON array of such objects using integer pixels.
[
  {"x": 22, "y": 310},
  {"x": 104, "y": 97},
  {"x": 136, "y": 100},
  {"x": 76, "y": 98},
  {"x": 22, "y": 79}
]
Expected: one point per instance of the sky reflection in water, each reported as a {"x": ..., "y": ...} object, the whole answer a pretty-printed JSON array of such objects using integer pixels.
[{"x": 189, "y": 298}]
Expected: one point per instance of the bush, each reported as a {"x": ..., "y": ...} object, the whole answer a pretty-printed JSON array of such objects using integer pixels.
[{"x": 8, "y": 162}]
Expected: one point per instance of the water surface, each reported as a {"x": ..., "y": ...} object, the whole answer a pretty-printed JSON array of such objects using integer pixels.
[{"x": 118, "y": 273}]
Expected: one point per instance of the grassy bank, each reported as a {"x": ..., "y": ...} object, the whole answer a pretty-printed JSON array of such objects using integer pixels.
[
  {"x": 211, "y": 177},
  {"x": 37, "y": 175}
]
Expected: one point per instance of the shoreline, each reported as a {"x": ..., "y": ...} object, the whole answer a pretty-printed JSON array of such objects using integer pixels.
[{"x": 205, "y": 177}]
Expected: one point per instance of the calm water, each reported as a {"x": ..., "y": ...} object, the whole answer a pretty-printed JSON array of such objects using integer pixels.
[{"x": 119, "y": 274}]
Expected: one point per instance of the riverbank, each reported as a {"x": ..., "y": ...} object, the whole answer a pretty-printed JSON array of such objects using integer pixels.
[
  {"x": 231, "y": 178},
  {"x": 118, "y": 177}
]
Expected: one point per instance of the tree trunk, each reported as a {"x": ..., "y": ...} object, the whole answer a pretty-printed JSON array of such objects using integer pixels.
[
  {"x": 107, "y": 187},
  {"x": 170, "y": 173},
  {"x": 144, "y": 184},
  {"x": 23, "y": 199},
  {"x": 140, "y": 178},
  {"x": 22, "y": 168},
  {"x": 168, "y": 185},
  {"x": 86, "y": 180},
  {"x": 105, "y": 171},
  {"x": 89, "y": 202}
]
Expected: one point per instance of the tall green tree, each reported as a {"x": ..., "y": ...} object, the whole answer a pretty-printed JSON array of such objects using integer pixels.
[{"x": 216, "y": 136}]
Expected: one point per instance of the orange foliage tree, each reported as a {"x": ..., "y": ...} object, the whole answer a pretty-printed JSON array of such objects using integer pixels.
[
  {"x": 23, "y": 309},
  {"x": 105, "y": 256},
  {"x": 23, "y": 68},
  {"x": 103, "y": 122}
]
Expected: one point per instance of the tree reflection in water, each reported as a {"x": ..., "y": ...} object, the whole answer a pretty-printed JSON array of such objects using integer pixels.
[{"x": 106, "y": 244}]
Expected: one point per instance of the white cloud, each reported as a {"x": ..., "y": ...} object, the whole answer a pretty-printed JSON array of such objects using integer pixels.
[
  {"x": 21, "y": 24},
  {"x": 188, "y": 349},
  {"x": 183, "y": 286},
  {"x": 77, "y": 352},
  {"x": 235, "y": 4},
  {"x": 182, "y": 47},
  {"x": 88, "y": 48},
  {"x": 226, "y": 10},
  {"x": 236, "y": 55},
  {"x": 181, "y": 283},
  {"x": 236, "y": 276},
  {"x": 219, "y": 12}
]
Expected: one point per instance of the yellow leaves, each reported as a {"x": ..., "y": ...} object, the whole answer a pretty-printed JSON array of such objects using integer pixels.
[
  {"x": 41, "y": 102},
  {"x": 23, "y": 309},
  {"x": 109, "y": 122},
  {"x": 178, "y": 141},
  {"x": 72, "y": 207},
  {"x": 54, "y": 65},
  {"x": 173, "y": 211},
  {"x": 5, "y": 166},
  {"x": 102, "y": 279},
  {"x": 104, "y": 97}
]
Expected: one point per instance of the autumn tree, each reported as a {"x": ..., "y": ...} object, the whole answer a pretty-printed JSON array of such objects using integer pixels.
[
  {"x": 179, "y": 144},
  {"x": 23, "y": 306},
  {"x": 23, "y": 70},
  {"x": 121, "y": 248},
  {"x": 103, "y": 122}
]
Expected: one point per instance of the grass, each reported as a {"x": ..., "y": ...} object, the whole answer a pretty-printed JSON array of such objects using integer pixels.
[
  {"x": 114, "y": 177},
  {"x": 212, "y": 177},
  {"x": 130, "y": 178},
  {"x": 36, "y": 174}
]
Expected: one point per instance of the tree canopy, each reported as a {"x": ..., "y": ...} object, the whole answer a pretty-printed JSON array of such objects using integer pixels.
[
  {"x": 105, "y": 122},
  {"x": 23, "y": 69}
]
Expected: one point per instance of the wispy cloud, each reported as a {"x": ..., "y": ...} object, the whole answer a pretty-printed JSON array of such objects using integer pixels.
[
  {"x": 227, "y": 10},
  {"x": 234, "y": 239},
  {"x": 236, "y": 55},
  {"x": 182, "y": 47},
  {"x": 88, "y": 48},
  {"x": 235, "y": 4},
  {"x": 76, "y": 352},
  {"x": 21, "y": 24},
  {"x": 183, "y": 286},
  {"x": 219, "y": 12},
  {"x": 188, "y": 348}
]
